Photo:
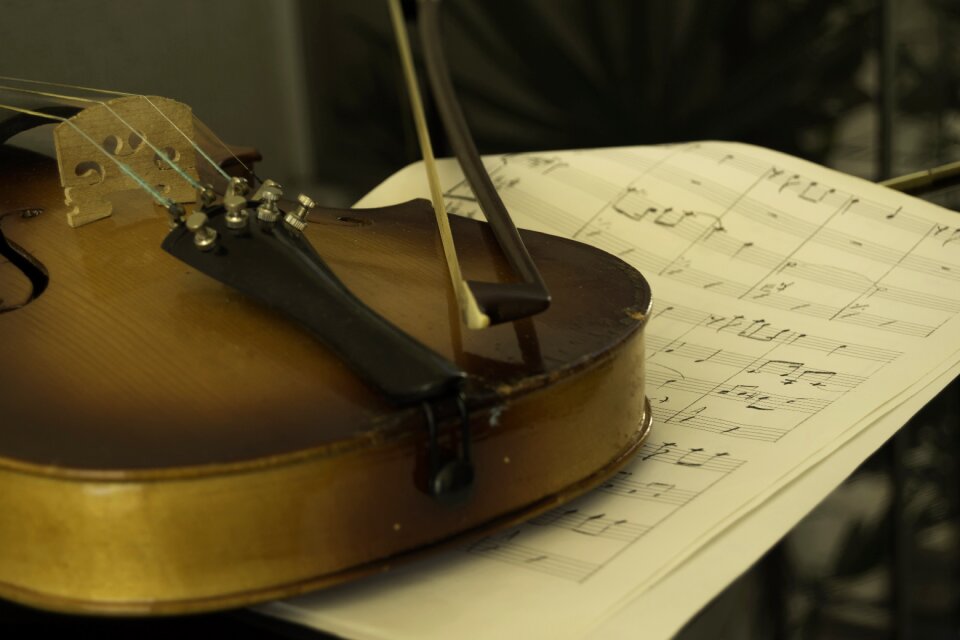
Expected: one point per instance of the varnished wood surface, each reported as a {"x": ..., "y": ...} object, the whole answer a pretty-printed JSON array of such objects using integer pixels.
[
  {"x": 159, "y": 366},
  {"x": 169, "y": 446},
  {"x": 15, "y": 287}
]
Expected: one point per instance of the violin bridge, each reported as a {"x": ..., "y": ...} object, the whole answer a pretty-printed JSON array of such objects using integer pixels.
[{"x": 120, "y": 127}]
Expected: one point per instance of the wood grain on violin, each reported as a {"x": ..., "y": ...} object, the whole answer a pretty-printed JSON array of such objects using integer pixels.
[{"x": 168, "y": 444}]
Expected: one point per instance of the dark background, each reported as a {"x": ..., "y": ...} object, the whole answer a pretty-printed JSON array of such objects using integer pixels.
[{"x": 315, "y": 85}]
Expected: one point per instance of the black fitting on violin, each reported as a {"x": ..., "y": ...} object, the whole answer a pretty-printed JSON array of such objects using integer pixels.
[
  {"x": 275, "y": 264},
  {"x": 450, "y": 477},
  {"x": 501, "y": 302}
]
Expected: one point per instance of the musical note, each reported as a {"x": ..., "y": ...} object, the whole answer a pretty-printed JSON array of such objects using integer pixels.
[
  {"x": 698, "y": 360},
  {"x": 741, "y": 390},
  {"x": 782, "y": 368},
  {"x": 720, "y": 323},
  {"x": 677, "y": 266},
  {"x": 814, "y": 192},
  {"x": 690, "y": 415},
  {"x": 665, "y": 493},
  {"x": 662, "y": 449},
  {"x": 670, "y": 348},
  {"x": 682, "y": 461},
  {"x": 670, "y": 453},
  {"x": 744, "y": 245},
  {"x": 671, "y": 218},
  {"x": 953, "y": 237},
  {"x": 792, "y": 180},
  {"x": 702, "y": 421},
  {"x": 761, "y": 330},
  {"x": 552, "y": 564},
  {"x": 816, "y": 378},
  {"x": 555, "y": 166},
  {"x": 597, "y": 525}
]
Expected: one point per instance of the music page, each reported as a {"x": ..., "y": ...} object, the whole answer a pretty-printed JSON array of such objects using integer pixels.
[{"x": 793, "y": 307}]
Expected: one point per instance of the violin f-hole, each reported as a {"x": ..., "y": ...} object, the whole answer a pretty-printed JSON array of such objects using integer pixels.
[{"x": 25, "y": 264}]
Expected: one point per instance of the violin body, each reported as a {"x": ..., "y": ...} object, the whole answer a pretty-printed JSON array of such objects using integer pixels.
[{"x": 168, "y": 444}]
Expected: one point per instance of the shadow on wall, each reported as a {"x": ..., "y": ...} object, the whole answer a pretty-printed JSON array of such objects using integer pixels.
[
  {"x": 237, "y": 63},
  {"x": 551, "y": 74},
  {"x": 316, "y": 86}
]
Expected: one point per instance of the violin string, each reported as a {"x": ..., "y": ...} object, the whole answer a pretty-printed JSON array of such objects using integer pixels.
[
  {"x": 196, "y": 147},
  {"x": 473, "y": 317},
  {"x": 164, "y": 201},
  {"x": 162, "y": 155},
  {"x": 203, "y": 153},
  {"x": 156, "y": 108}
]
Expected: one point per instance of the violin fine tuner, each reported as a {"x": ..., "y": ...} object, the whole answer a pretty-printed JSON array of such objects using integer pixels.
[
  {"x": 236, "y": 213},
  {"x": 298, "y": 217},
  {"x": 207, "y": 195},
  {"x": 176, "y": 214},
  {"x": 236, "y": 204},
  {"x": 204, "y": 238},
  {"x": 268, "y": 194},
  {"x": 239, "y": 186}
]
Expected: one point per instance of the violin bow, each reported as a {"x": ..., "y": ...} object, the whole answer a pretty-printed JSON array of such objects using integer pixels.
[{"x": 481, "y": 303}]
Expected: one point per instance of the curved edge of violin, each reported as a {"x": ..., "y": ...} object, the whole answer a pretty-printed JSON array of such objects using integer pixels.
[
  {"x": 247, "y": 598},
  {"x": 142, "y": 547}
]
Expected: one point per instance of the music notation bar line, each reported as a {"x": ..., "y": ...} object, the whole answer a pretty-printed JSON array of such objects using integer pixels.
[
  {"x": 622, "y": 485},
  {"x": 750, "y": 395},
  {"x": 738, "y": 324},
  {"x": 699, "y": 419},
  {"x": 597, "y": 525},
  {"x": 691, "y": 224},
  {"x": 530, "y": 558},
  {"x": 774, "y": 298},
  {"x": 789, "y": 370},
  {"x": 670, "y": 453},
  {"x": 698, "y": 228}
]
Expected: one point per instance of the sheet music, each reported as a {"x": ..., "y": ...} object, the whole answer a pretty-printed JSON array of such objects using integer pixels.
[
  {"x": 663, "y": 609},
  {"x": 793, "y": 305}
]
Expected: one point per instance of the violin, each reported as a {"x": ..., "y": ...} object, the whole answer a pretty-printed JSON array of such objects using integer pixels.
[{"x": 212, "y": 405}]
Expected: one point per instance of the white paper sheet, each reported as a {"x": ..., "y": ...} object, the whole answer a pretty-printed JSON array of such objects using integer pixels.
[
  {"x": 794, "y": 307},
  {"x": 662, "y": 610}
]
